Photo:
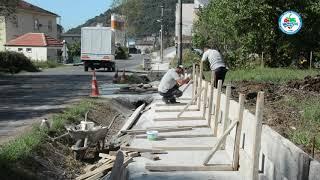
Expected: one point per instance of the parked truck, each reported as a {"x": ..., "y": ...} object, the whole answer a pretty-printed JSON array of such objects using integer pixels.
[{"x": 98, "y": 48}]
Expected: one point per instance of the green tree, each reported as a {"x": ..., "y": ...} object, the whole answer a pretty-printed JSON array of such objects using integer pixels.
[{"x": 251, "y": 26}]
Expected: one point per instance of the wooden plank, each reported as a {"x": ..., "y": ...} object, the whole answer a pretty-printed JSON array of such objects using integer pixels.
[
  {"x": 205, "y": 98},
  {"x": 196, "y": 84},
  {"x": 183, "y": 148},
  {"x": 190, "y": 103},
  {"x": 133, "y": 118},
  {"x": 150, "y": 156},
  {"x": 100, "y": 169},
  {"x": 217, "y": 109},
  {"x": 180, "y": 119},
  {"x": 141, "y": 150},
  {"x": 211, "y": 98},
  {"x": 176, "y": 104},
  {"x": 96, "y": 176},
  {"x": 133, "y": 154},
  {"x": 169, "y": 127},
  {"x": 178, "y": 167},
  {"x": 143, "y": 131},
  {"x": 257, "y": 137},
  {"x": 219, "y": 143},
  {"x": 175, "y": 110},
  {"x": 200, "y": 84},
  {"x": 117, "y": 168},
  {"x": 236, "y": 152},
  {"x": 225, "y": 120},
  {"x": 107, "y": 156},
  {"x": 95, "y": 166},
  {"x": 194, "y": 80},
  {"x": 178, "y": 136}
]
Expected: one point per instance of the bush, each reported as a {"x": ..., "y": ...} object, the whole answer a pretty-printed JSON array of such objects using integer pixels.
[
  {"x": 46, "y": 64},
  {"x": 188, "y": 58},
  {"x": 122, "y": 53},
  {"x": 14, "y": 62}
]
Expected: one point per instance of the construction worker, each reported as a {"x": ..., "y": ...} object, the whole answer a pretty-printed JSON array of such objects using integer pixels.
[
  {"x": 170, "y": 83},
  {"x": 217, "y": 63}
]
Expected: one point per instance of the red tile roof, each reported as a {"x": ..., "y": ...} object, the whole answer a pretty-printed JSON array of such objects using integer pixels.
[
  {"x": 27, "y": 6},
  {"x": 35, "y": 40}
]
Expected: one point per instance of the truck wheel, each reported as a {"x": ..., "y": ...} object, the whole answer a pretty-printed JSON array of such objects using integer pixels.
[{"x": 86, "y": 68}]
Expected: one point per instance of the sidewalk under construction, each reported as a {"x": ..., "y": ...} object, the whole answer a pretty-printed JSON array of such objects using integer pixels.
[{"x": 210, "y": 136}]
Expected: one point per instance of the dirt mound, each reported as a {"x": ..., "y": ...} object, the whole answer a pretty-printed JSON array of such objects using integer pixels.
[{"x": 308, "y": 84}]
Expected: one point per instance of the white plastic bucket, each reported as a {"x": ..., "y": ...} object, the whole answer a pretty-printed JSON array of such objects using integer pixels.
[{"x": 86, "y": 125}]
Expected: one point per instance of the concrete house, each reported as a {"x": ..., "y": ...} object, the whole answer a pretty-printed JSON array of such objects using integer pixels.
[
  {"x": 36, "y": 46},
  {"x": 28, "y": 19}
]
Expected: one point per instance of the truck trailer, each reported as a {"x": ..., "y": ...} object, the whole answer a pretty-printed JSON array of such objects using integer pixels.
[{"x": 98, "y": 48}]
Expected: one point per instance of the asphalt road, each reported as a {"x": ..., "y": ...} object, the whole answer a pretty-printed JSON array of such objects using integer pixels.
[{"x": 26, "y": 98}]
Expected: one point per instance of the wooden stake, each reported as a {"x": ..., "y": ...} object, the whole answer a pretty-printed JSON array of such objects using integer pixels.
[
  {"x": 257, "y": 136},
  {"x": 194, "y": 80},
  {"x": 211, "y": 98},
  {"x": 219, "y": 143},
  {"x": 217, "y": 109},
  {"x": 190, "y": 103},
  {"x": 196, "y": 84},
  {"x": 200, "y": 84},
  {"x": 238, "y": 133},
  {"x": 311, "y": 60},
  {"x": 226, "y": 113},
  {"x": 205, "y": 99}
]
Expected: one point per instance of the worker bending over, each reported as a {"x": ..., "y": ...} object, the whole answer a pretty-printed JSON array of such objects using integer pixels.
[
  {"x": 170, "y": 83},
  {"x": 217, "y": 63}
]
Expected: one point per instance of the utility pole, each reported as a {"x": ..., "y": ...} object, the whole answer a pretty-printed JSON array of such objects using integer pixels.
[
  {"x": 180, "y": 33},
  {"x": 161, "y": 35}
]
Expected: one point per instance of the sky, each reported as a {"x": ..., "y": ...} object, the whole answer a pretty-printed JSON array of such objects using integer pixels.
[{"x": 73, "y": 12}]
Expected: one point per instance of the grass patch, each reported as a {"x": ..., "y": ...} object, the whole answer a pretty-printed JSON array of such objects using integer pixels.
[
  {"x": 309, "y": 124},
  {"x": 22, "y": 147},
  {"x": 46, "y": 64},
  {"x": 271, "y": 75}
]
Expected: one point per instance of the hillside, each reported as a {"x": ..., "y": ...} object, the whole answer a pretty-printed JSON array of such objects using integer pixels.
[{"x": 142, "y": 16}]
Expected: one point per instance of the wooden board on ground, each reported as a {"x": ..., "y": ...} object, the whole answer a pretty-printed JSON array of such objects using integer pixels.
[
  {"x": 101, "y": 169},
  {"x": 107, "y": 156},
  {"x": 143, "y": 131},
  {"x": 178, "y": 136},
  {"x": 176, "y": 104},
  {"x": 175, "y": 110},
  {"x": 141, "y": 150},
  {"x": 183, "y": 148},
  {"x": 166, "y": 167},
  {"x": 133, "y": 118},
  {"x": 179, "y": 119},
  {"x": 150, "y": 156}
]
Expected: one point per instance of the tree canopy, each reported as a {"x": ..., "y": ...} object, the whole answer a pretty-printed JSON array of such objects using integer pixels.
[{"x": 244, "y": 27}]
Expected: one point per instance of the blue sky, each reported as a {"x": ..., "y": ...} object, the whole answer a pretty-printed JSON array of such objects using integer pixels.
[{"x": 74, "y": 12}]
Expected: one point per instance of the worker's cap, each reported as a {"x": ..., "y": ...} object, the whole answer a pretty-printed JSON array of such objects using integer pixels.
[{"x": 180, "y": 66}]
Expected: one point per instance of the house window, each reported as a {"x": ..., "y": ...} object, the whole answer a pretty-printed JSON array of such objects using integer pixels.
[
  {"x": 20, "y": 49},
  {"x": 36, "y": 24},
  {"x": 29, "y": 50},
  {"x": 50, "y": 26}
]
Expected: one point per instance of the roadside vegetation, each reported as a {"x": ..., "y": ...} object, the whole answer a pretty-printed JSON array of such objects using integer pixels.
[
  {"x": 46, "y": 64},
  {"x": 21, "y": 149},
  {"x": 12, "y": 62}
]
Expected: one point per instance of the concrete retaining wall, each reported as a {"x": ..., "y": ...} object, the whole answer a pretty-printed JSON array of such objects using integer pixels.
[{"x": 279, "y": 158}]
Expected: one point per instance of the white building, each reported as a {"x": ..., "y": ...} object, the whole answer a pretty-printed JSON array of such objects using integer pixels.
[
  {"x": 189, "y": 16},
  {"x": 36, "y": 46},
  {"x": 28, "y": 18}
]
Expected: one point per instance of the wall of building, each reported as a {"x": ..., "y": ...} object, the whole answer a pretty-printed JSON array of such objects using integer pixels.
[
  {"x": 36, "y": 54},
  {"x": 52, "y": 54},
  {"x": 2, "y": 33},
  {"x": 25, "y": 23}
]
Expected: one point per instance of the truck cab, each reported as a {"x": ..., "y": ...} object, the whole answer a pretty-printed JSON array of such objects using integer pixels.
[{"x": 98, "y": 48}]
